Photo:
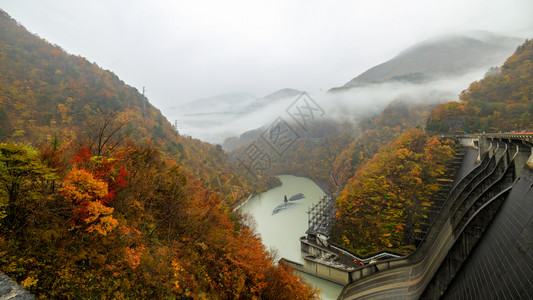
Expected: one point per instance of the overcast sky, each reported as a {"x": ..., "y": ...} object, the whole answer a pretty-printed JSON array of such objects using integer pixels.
[{"x": 185, "y": 50}]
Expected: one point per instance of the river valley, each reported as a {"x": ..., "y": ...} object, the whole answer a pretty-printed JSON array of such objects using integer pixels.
[{"x": 281, "y": 224}]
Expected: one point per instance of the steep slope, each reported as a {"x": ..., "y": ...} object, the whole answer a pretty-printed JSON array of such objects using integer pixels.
[
  {"x": 113, "y": 203},
  {"x": 377, "y": 197},
  {"x": 502, "y": 101},
  {"x": 384, "y": 203},
  {"x": 45, "y": 92},
  {"x": 437, "y": 57},
  {"x": 396, "y": 118},
  {"x": 47, "y": 95}
]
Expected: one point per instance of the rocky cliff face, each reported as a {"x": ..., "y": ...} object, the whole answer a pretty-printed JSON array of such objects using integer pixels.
[{"x": 11, "y": 290}]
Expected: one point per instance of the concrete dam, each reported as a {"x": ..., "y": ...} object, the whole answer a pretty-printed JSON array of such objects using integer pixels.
[{"x": 479, "y": 245}]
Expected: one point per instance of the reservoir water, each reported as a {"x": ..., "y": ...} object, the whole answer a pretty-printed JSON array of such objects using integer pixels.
[{"x": 283, "y": 229}]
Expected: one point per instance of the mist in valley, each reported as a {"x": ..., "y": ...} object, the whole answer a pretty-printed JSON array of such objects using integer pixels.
[
  {"x": 116, "y": 121},
  {"x": 175, "y": 53},
  {"x": 216, "y": 124},
  {"x": 429, "y": 72}
]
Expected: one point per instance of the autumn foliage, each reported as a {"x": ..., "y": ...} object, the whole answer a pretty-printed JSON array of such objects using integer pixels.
[
  {"x": 382, "y": 205},
  {"x": 48, "y": 97},
  {"x": 502, "y": 101},
  {"x": 131, "y": 225},
  {"x": 111, "y": 202}
]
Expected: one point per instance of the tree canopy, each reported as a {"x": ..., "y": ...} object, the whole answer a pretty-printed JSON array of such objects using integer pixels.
[
  {"x": 502, "y": 101},
  {"x": 110, "y": 201},
  {"x": 384, "y": 203}
]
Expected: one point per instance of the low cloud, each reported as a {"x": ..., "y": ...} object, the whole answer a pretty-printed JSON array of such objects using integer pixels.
[
  {"x": 349, "y": 105},
  {"x": 364, "y": 101}
]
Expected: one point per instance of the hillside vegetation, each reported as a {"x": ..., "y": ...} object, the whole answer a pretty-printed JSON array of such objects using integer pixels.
[
  {"x": 502, "y": 101},
  {"x": 47, "y": 95},
  {"x": 129, "y": 224},
  {"x": 101, "y": 198},
  {"x": 385, "y": 201}
]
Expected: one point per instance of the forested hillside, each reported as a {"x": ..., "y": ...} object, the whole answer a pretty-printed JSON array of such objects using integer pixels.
[
  {"x": 502, "y": 101},
  {"x": 101, "y": 198},
  {"x": 46, "y": 92},
  {"x": 47, "y": 95},
  {"x": 330, "y": 152},
  {"x": 129, "y": 224},
  {"x": 395, "y": 119},
  {"x": 385, "y": 201}
]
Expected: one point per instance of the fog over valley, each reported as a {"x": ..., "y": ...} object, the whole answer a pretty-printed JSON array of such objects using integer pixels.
[
  {"x": 202, "y": 149},
  {"x": 181, "y": 51},
  {"x": 423, "y": 73}
]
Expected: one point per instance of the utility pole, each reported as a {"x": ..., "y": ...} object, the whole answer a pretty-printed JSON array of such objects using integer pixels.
[
  {"x": 176, "y": 126},
  {"x": 143, "y": 104}
]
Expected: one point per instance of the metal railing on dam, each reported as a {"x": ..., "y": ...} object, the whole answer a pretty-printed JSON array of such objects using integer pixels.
[{"x": 467, "y": 212}]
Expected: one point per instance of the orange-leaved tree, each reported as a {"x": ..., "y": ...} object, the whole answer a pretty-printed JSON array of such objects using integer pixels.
[
  {"x": 90, "y": 186},
  {"x": 86, "y": 194}
]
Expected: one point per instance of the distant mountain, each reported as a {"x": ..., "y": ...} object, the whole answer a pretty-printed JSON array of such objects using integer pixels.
[
  {"x": 282, "y": 94},
  {"x": 224, "y": 103},
  {"x": 216, "y": 118},
  {"x": 48, "y": 95},
  {"x": 451, "y": 55},
  {"x": 502, "y": 101},
  {"x": 100, "y": 197},
  {"x": 269, "y": 99},
  {"x": 231, "y": 103}
]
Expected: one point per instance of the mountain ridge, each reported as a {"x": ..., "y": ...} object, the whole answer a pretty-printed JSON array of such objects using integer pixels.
[
  {"x": 86, "y": 212},
  {"x": 456, "y": 54},
  {"x": 216, "y": 118},
  {"x": 48, "y": 95}
]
